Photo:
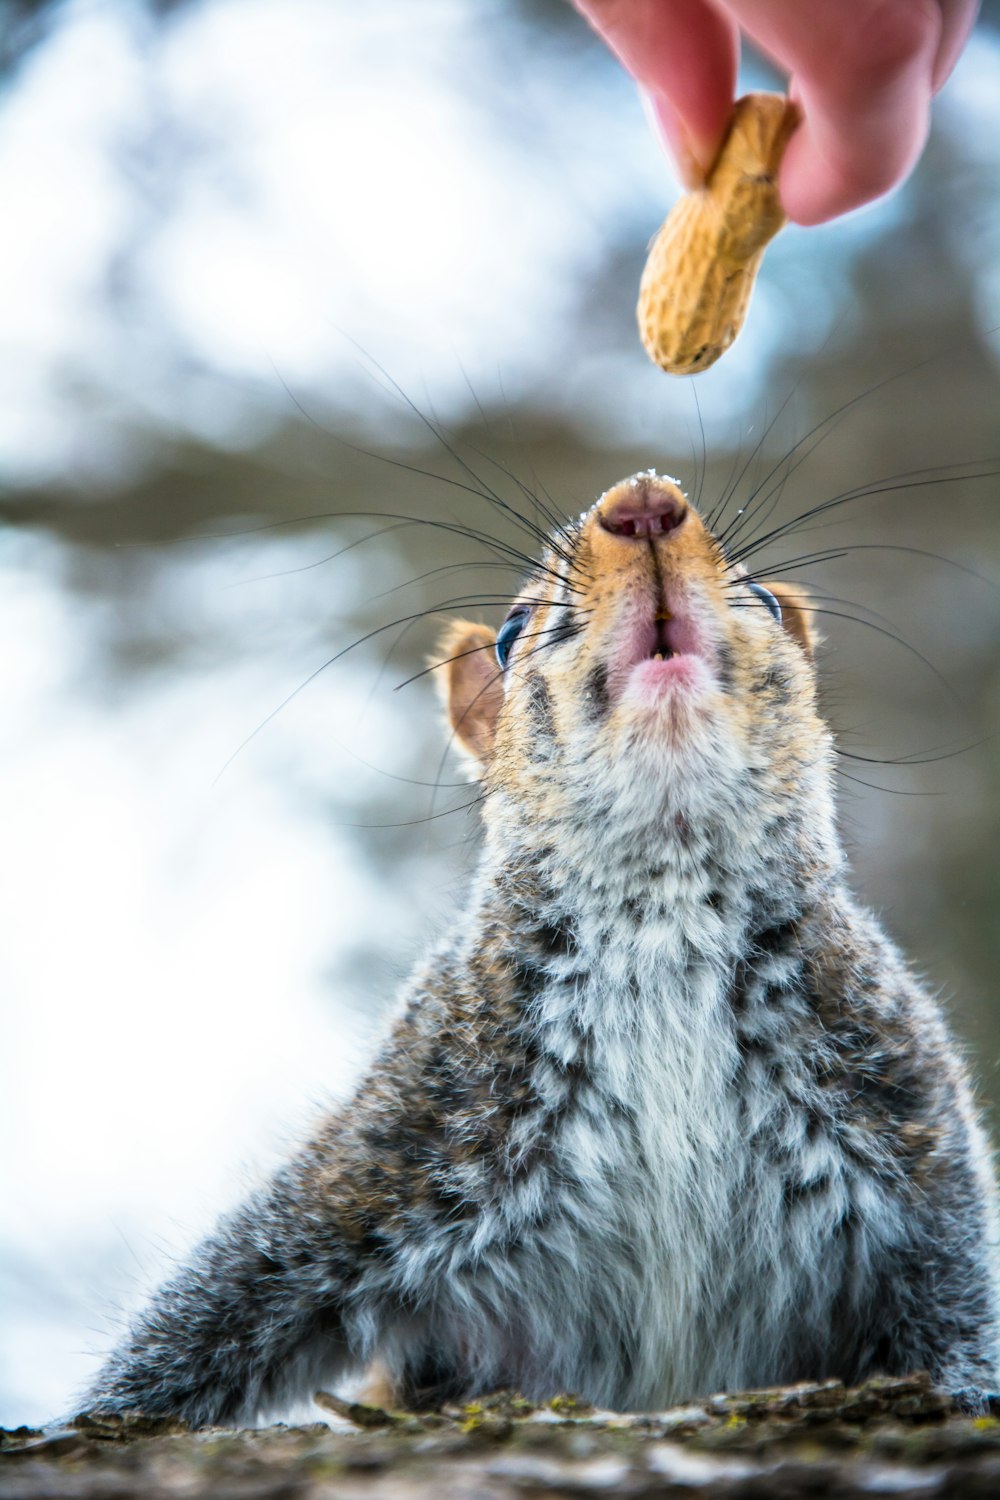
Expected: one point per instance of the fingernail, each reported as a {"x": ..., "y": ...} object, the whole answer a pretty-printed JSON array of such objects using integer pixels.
[{"x": 692, "y": 164}]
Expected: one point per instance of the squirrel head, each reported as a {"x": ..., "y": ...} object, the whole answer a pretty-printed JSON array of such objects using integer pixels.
[{"x": 638, "y": 672}]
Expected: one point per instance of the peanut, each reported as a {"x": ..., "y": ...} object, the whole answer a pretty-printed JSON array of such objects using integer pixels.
[{"x": 701, "y": 266}]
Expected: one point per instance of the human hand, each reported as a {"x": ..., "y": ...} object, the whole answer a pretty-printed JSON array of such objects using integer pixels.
[{"x": 863, "y": 75}]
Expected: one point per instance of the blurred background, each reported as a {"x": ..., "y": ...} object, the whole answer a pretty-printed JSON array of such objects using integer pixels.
[{"x": 276, "y": 276}]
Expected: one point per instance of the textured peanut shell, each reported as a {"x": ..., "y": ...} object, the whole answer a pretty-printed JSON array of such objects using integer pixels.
[{"x": 701, "y": 268}]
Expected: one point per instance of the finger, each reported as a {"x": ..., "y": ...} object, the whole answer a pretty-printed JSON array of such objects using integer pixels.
[
  {"x": 863, "y": 76},
  {"x": 683, "y": 54}
]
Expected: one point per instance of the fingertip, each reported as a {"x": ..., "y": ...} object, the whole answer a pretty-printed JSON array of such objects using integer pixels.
[
  {"x": 864, "y": 86},
  {"x": 810, "y": 192},
  {"x": 814, "y": 192},
  {"x": 692, "y": 157},
  {"x": 826, "y": 172}
]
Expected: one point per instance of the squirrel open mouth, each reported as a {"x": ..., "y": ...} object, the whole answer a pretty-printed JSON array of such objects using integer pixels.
[
  {"x": 662, "y": 649},
  {"x": 661, "y": 644}
]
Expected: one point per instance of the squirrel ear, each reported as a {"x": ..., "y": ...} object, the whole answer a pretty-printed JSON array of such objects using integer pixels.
[
  {"x": 796, "y": 610},
  {"x": 472, "y": 685}
]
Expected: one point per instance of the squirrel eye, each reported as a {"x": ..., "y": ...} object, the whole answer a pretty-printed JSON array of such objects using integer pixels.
[
  {"x": 509, "y": 632},
  {"x": 766, "y": 598}
]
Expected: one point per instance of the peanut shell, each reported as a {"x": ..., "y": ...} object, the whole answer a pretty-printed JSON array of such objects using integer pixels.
[{"x": 701, "y": 267}]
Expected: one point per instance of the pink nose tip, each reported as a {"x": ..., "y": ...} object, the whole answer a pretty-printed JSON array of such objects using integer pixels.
[{"x": 645, "y": 512}]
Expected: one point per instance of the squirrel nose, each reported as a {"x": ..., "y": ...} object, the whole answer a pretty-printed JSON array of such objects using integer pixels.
[{"x": 647, "y": 507}]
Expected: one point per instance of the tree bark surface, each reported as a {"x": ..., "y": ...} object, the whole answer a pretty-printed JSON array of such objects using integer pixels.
[{"x": 894, "y": 1437}]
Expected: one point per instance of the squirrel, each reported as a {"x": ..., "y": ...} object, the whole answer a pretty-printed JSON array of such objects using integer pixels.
[{"x": 665, "y": 1113}]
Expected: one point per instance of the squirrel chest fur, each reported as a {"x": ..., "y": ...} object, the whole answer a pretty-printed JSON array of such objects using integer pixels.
[{"x": 666, "y": 1113}]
